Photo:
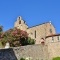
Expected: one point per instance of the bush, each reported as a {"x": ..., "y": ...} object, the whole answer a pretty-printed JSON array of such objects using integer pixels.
[
  {"x": 30, "y": 41},
  {"x": 56, "y": 58},
  {"x": 22, "y": 59},
  {"x": 16, "y": 37}
]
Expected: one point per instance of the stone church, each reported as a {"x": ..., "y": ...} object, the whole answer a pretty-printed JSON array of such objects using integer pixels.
[
  {"x": 43, "y": 33},
  {"x": 37, "y": 32}
]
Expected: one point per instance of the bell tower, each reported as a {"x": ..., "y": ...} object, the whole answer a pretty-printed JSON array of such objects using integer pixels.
[{"x": 20, "y": 24}]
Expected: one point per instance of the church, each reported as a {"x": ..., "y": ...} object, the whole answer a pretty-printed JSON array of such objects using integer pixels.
[
  {"x": 37, "y": 32},
  {"x": 42, "y": 33}
]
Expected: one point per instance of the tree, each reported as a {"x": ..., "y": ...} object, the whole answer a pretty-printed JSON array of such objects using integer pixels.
[
  {"x": 56, "y": 58},
  {"x": 31, "y": 41},
  {"x": 20, "y": 36},
  {"x": 1, "y": 31},
  {"x": 16, "y": 37},
  {"x": 1, "y": 28}
]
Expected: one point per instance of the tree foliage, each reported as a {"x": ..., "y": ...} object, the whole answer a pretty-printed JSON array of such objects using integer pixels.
[
  {"x": 22, "y": 59},
  {"x": 16, "y": 37},
  {"x": 56, "y": 58},
  {"x": 1, "y": 28},
  {"x": 31, "y": 41}
]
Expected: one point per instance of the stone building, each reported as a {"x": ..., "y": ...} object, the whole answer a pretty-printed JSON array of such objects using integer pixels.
[
  {"x": 46, "y": 47},
  {"x": 36, "y": 32},
  {"x": 53, "y": 42},
  {"x": 43, "y": 33}
]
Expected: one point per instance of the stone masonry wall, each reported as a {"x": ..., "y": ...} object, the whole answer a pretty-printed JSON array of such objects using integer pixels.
[
  {"x": 36, "y": 52},
  {"x": 33, "y": 51},
  {"x": 53, "y": 46},
  {"x": 53, "y": 50}
]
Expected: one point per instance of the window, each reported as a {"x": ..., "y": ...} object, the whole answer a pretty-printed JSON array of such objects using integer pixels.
[
  {"x": 35, "y": 33},
  {"x": 19, "y": 22},
  {"x": 52, "y": 39},
  {"x": 50, "y": 30},
  {"x": 58, "y": 38}
]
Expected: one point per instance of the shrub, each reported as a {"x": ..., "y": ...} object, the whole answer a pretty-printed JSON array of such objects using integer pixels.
[
  {"x": 22, "y": 59},
  {"x": 30, "y": 41},
  {"x": 56, "y": 58}
]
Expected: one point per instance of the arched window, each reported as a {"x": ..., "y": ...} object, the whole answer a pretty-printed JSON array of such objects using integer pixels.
[
  {"x": 35, "y": 33},
  {"x": 50, "y": 30}
]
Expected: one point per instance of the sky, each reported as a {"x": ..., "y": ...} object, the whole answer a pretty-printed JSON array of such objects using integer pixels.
[{"x": 34, "y": 12}]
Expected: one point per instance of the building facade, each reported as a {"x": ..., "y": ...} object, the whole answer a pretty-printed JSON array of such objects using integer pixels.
[
  {"x": 36, "y": 32},
  {"x": 53, "y": 42}
]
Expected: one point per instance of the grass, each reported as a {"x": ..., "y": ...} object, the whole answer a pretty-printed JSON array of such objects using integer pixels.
[{"x": 56, "y": 58}]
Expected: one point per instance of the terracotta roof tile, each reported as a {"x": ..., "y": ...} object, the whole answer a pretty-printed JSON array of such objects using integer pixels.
[{"x": 52, "y": 35}]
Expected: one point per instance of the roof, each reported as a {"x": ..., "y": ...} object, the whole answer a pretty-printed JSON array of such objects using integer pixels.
[
  {"x": 52, "y": 35},
  {"x": 38, "y": 25}
]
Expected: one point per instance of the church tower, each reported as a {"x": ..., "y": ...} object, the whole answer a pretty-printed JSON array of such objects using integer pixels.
[{"x": 20, "y": 24}]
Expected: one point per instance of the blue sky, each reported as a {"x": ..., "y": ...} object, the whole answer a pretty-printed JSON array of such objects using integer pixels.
[{"x": 34, "y": 12}]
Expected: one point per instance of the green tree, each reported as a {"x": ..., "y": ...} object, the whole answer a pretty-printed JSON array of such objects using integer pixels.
[
  {"x": 16, "y": 37},
  {"x": 1, "y": 28}
]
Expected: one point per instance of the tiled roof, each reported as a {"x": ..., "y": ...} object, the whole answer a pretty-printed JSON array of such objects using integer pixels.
[{"x": 52, "y": 35}]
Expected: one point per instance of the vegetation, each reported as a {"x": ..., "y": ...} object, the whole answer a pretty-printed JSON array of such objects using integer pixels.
[
  {"x": 31, "y": 41},
  {"x": 1, "y": 28},
  {"x": 22, "y": 59},
  {"x": 16, "y": 37},
  {"x": 56, "y": 58},
  {"x": 1, "y": 32}
]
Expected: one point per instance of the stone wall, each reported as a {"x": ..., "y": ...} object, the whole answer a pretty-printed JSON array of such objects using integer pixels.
[
  {"x": 53, "y": 50},
  {"x": 53, "y": 46},
  {"x": 35, "y": 52}
]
